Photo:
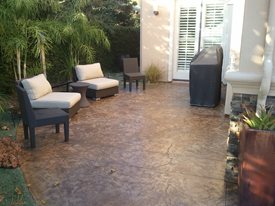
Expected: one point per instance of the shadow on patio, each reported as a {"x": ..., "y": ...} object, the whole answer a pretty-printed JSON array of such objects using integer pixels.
[{"x": 139, "y": 149}]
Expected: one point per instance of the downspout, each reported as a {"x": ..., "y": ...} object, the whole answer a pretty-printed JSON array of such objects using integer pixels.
[{"x": 268, "y": 59}]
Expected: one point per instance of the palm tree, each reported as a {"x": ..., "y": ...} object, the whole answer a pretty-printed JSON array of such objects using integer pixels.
[
  {"x": 31, "y": 28},
  {"x": 22, "y": 30},
  {"x": 13, "y": 18},
  {"x": 13, "y": 43},
  {"x": 41, "y": 43},
  {"x": 79, "y": 39}
]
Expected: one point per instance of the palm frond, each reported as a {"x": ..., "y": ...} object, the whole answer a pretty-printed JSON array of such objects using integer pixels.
[
  {"x": 88, "y": 52},
  {"x": 99, "y": 37}
]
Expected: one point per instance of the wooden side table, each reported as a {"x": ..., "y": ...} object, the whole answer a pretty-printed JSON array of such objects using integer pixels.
[{"x": 81, "y": 87}]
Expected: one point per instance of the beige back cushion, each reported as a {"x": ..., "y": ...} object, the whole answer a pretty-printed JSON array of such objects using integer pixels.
[
  {"x": 88, "y": 71},
  {"x": 37, "y": 86}
]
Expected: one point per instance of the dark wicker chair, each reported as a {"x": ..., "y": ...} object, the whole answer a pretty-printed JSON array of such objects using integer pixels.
[
  {"x": 35, "y": 118},
  {"x": 131, "y": 72}
]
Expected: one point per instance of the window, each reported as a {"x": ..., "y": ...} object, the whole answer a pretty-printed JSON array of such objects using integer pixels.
[
  {"x": 200, "y": 25},
  {"x": 212, "y": 24},
  {"x": 187, "y": 36}
]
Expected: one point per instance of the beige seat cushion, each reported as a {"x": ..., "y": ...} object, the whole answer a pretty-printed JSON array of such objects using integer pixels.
[
  {"x": 63, "y": 100},
  {"x": 36, "y": 86},
  {"x": 88, "y": 71},
  {"x": 101, "y": 83}
]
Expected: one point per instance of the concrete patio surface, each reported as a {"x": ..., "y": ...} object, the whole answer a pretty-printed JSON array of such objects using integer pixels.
[{"x": 144, "y": 148}]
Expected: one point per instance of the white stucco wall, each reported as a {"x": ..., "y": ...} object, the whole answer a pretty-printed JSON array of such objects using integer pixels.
[
  {"x": 246, "y": 74},
  {"x": 247, "y": 34},
  {"x": 155, "y": 35},
  {"x": 253, "y": 35},
  {"x": 236, "y": 31}
]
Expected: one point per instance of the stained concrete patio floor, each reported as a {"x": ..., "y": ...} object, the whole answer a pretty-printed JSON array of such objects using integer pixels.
[{"x": 146, "y": 148}]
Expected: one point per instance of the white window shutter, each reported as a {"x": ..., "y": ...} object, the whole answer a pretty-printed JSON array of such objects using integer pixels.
[
  {"x": 200, "y": 25},
  {"x": 212, "y": 24},
  {"x": 188, "y": 36}
]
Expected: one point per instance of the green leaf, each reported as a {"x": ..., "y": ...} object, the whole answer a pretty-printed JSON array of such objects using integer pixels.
[{"x": 262, "y": 121}]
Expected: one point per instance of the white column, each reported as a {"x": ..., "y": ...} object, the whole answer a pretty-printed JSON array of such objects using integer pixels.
[{"x": 268, "y": 58}]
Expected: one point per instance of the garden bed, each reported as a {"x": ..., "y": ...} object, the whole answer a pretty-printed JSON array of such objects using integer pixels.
[{"x": 13, "y": 189}]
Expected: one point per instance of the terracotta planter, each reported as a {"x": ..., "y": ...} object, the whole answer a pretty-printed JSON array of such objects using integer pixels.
[{"x": 257, "y": 167}]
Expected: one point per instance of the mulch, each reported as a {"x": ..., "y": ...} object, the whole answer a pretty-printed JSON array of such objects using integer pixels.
[{"x": 9, "y": 153}]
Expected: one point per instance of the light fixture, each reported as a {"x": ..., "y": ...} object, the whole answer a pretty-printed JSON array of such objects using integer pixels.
[
  {"x": 136, "y": 9},
  {"x": 155, "y": 7}
]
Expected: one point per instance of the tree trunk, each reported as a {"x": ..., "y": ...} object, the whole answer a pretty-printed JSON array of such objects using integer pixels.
[
  {"x": 18, "y": 59},
  {"x": 43, "y": 60},
  {"x": 15, "y": 73},
  {"x": 25, "y": 66}
]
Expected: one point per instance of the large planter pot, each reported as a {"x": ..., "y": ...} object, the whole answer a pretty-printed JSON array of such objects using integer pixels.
[{"x": 257, "y": 167}]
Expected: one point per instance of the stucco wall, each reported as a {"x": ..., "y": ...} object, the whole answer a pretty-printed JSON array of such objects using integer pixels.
[
  {"x": 247, "y": 36},
  {"x": 253, "y": 36},
  {"x": 155, "y": 31}
]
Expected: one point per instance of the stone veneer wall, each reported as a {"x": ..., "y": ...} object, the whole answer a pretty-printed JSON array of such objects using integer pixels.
[{"x": 237, "y": 105}]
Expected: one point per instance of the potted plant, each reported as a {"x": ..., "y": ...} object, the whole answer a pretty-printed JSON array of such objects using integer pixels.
[{"x": 257, "y": 159}]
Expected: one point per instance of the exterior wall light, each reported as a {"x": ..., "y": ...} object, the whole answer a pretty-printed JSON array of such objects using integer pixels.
[
  {"x": 155, "y": 8},
  {"x": 136, "y": 9}
]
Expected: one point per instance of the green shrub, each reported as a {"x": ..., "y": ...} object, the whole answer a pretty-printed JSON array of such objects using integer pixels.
[
  {"x": 153, "y": 73},
  {"x": 3, "y": 102},
  {"x": 262, "y": 121},
  {"x": 124, "y": 41}
]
